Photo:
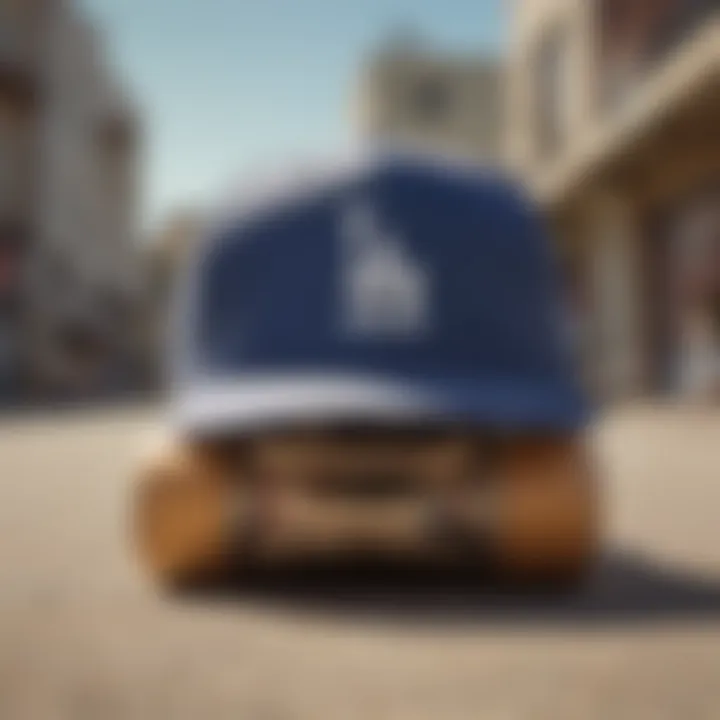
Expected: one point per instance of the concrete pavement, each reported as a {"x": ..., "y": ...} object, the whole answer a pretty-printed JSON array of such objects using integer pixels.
[{"x": 82, "y": 635}]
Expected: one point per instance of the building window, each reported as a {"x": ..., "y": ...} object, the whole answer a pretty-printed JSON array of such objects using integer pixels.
[
  {"x": 431, "y": 101},
  {"x": 551, "y": 92}
]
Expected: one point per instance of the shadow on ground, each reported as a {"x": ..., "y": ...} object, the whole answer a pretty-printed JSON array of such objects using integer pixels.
[{"x": 625, "y": 589}]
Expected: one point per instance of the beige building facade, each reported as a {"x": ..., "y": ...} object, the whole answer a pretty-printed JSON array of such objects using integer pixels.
[
  {"x": 84, "y": 293},
  {"x": 613, "y": 119},
  {"x": 448, "y": 104}
]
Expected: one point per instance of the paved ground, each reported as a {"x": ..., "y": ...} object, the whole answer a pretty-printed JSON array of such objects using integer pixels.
[{"x": 83, "y": 637}]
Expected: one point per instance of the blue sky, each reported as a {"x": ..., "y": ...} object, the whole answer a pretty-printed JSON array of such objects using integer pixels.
[{"x": 222, "y": 84}]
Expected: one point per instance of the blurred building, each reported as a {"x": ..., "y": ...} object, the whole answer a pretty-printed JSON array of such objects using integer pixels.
[
  {"x": 417, "y": 96},
  {"x": 175, "y": 239},
  {"x": 22, "y": 38},
  {"x": 166, "y": 256},
  {"x": 613, "y": 116},
  {"x": 77, "y": 297}
]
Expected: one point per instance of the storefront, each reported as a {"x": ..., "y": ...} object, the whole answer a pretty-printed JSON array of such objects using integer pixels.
[
  {"x": 654, "y": 250},
  {"x": 690, "y": 304},
  {"x": 615, "y": 125}
]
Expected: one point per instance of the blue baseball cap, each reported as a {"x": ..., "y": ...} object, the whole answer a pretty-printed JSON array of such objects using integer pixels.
[{"x": 392, "y": 288}]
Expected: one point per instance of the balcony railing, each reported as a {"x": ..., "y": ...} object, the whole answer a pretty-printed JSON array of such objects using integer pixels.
[
  {"x": 637, "y": 36},
  {"x": 691, "y": 15}
]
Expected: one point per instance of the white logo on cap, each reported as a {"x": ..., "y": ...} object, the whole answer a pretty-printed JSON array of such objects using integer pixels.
[{"x": 386, "y": 291}]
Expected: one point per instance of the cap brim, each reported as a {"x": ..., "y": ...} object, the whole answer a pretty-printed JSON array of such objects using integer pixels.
[{"x": 264, "y": 402}]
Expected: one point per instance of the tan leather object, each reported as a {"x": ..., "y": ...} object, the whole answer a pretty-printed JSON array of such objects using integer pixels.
[
  {"x": 547, "y": 508},
  {"x": 180, "y": 507}
]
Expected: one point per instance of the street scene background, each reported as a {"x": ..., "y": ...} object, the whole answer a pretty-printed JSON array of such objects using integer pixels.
[{"x": 122, "y": 124}]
